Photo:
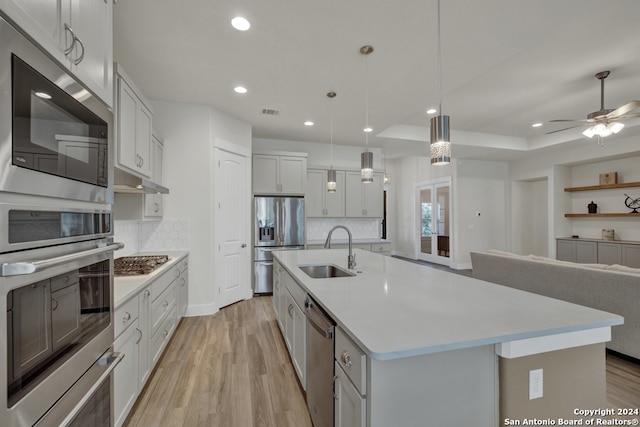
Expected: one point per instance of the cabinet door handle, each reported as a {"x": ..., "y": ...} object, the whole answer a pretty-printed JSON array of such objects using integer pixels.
[
  {"x": 147, "y": 293},
  {"x": 54, "y": 308},
  {"x": 333, "y": 385},
  {"x": 289, "y": 310},
  {"x": 81, "y": 57},
  {"x": 139, "y": 335},
  {"x": 165, "y": 304},
  {"x": 69, "y": 49}
]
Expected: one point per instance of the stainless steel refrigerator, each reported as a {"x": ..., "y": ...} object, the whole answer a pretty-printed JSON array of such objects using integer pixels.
[{"x": 279, "y": 225}]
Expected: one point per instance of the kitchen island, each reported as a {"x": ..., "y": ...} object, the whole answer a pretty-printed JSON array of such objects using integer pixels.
[{"x": 445, "y": 349}]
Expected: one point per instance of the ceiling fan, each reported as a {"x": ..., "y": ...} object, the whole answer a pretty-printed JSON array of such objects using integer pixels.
[{"x": 603, "y": 122}]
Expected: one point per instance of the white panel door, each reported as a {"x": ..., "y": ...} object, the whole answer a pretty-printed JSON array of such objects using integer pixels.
[{"x": 232, "y": 198}]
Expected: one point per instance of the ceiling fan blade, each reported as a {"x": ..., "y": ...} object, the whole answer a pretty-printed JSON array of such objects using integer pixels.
[
  {"x": 570, "y": 120},
  {"x": 624, "y": 109},
  {"x": 560, "y": 130},
  {"x": 627, "y": 116}
]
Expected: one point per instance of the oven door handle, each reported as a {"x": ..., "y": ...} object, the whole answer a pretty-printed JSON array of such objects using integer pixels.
[{"x": 19, "y": 268}]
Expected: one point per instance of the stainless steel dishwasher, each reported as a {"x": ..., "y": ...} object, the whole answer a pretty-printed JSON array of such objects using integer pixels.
[{"x": 320, "y": 333}]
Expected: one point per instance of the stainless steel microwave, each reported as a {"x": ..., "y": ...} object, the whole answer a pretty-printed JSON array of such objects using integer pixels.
[{"x": 55, "y": 136}]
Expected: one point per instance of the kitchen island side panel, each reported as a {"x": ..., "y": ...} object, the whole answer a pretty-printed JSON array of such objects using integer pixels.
[
  {"x": 450, "y": 388},
  {"x": 573, "y": 378}
]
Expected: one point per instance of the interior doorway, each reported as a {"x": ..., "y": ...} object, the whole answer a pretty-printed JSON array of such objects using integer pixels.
[{"x": 433, "y": 221}]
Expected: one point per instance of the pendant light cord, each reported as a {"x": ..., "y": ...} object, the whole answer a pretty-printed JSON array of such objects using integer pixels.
[
  {"x": 439, "y": 64},
  {"x": 366, "y": 101}
]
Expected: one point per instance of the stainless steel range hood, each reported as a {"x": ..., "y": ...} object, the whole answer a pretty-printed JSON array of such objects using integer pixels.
[{"x": 125, "y": 182}]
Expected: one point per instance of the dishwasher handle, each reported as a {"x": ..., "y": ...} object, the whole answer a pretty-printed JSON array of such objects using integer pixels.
[{"x": 318, "y": 319}]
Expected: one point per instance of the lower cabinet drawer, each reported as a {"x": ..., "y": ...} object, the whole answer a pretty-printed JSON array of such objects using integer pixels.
[
  {"x": 352, "y": 360},
  {"x": 161, "y": 337},
  {"x": 161, "y": 306},
  {"x": 124, "y": 316}
]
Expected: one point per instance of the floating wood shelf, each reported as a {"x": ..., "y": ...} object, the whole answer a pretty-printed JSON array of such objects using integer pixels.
[
  {"x": 586, "y": 215},
  {"x": 603, "y": 187}
]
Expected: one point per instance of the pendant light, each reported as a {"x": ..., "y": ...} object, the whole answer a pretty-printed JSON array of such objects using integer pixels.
[
  {"x": 366, "y": 158},
  {"x": 440, "y": 147},
  {"x": 331, "y": 173}
]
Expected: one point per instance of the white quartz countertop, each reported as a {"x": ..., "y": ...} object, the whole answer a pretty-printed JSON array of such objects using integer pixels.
[
  {"x": 346, "y": 241},
  {"x": 394, "y": 308},
  {"x": 124, "y": 287}
]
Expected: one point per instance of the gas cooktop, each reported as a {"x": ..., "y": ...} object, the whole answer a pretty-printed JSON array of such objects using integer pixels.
[{"x": 138, "y": 265}]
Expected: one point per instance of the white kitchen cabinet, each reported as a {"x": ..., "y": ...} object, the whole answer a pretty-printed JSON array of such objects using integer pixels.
[
  {"x": 291, "y": 318},
  {"x": 277, "y": 289},
  {"x": 363, "y": 200},
  {"x": 125, "y": 379},
  {"x": 77, "y": 33},
  {"x": 144, "y": 324},
  {"x": 133, "y": 128},
  {"x": 153, "y": 202},
  {"x": 182, "y": 287},
  {"x": 318, "y": 201},
  {"x": 350, "y": 407},
  {"x": 279, "y": 173}
]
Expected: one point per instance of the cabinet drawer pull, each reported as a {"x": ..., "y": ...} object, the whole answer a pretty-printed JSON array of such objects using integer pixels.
[
  {"x": 126, "y": 317},
  {"x": 346, "y": 359},
  {"x": 147, "y": 293},
  {"x": 165, "y": 304},
  {"x": 165, "y": 333}
]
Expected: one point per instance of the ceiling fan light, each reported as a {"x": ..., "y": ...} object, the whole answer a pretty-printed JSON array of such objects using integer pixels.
[
  {"x": 600, "y": 129},
  {"x": 589, "y": 132},
  {"x": 615, "y": 127}
]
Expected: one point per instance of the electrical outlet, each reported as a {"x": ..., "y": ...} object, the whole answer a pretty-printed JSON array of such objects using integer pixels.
[{"x": 535, "y": 384}]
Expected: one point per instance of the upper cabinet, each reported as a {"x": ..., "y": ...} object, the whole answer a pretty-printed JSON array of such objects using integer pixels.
[
  {"x": 319, "y": 202},
  {"x": 77, "y": 33},
  {"x": 153, "y": 202},
  {"x": 364, "y": 200},
  {"x": 280, "y": 173},
  {"x": 133, "y": 128}
]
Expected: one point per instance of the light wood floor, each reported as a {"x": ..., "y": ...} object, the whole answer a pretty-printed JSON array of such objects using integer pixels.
[
  {"x": 229, "y": 369},
  {"x": 233, "y": 369}
]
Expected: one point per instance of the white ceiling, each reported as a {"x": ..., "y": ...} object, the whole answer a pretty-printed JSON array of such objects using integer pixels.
[{"x": 506, "y": 64}]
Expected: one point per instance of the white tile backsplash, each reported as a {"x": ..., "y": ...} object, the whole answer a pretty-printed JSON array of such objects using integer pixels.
[
  {"x": 318, "y": 228},
  {"x": 152, "y": 236}
]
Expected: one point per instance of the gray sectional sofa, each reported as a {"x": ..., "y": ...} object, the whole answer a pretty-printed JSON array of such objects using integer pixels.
[{"x": 611, "y": 288}]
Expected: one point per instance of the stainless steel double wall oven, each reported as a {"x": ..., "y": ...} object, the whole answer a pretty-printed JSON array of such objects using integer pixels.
[{"x": 56, "y": 243}]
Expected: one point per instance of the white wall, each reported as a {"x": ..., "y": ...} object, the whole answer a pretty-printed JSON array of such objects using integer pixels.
[
  {"x": 189, "y": 132},
  {"x": 529, "y": 217}
]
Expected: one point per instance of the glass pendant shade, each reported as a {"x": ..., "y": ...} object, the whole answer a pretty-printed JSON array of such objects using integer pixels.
[
  {"x": 387, "y": 179},
  {"x": 440, "y": 147},
  {"x": 331, "y": 181},
  {"x": 366, "y": 167}
]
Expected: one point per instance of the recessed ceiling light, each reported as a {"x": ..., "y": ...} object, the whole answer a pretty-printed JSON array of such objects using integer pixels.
[
  {"x": 43, "y": 95},
  {"x": 432, "y": 111},
  {"x": 308, "y": 123},
  {"x": 368, "y": 130},
  {"x": 240, "y": 89},
  {"x": 240, "y": 23},
  {"x": 536, "y": 125}
]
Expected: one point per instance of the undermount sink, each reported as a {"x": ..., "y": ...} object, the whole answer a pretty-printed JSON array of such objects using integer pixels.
[{"x": 324, "y": 271}]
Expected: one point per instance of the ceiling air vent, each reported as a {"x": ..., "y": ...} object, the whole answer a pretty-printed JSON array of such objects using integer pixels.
[{"x": 270, "y": 112}]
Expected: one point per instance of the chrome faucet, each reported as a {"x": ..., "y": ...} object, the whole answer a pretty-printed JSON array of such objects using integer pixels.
[{"x": 351, "y": 260}]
